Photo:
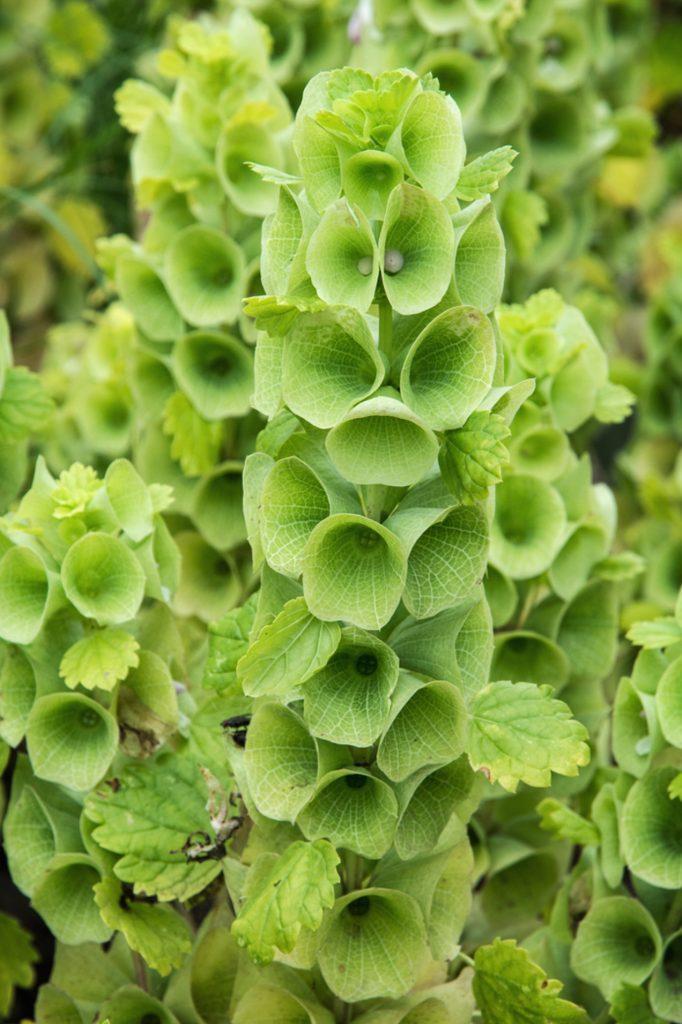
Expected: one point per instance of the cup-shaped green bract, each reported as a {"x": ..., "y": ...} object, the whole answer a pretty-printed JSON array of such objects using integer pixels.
[
  {"x": 103, "y": 579},
  {"x": 373, "y": 944},
  {"x": 651, "y": 827},
  {"x": 342, "y": 257},
  {"x": 354, "y": 569},
  {"x": 71, "y": 739},
  {"x": 381, "y": 441},
  {"x": 293, "y": 502},
  {"x": 566, "y": 55},
  {"x": 217, "y": 507},
  {"x": 281, "y": 762},
  {"x": 571, "y": 568},
  {"x": 505, "y": 102},
  {"x": 205, "y": 275},
  {"x": 130, "y": 499},
  {"x": 446, "y": 561},
  {"x": 439, "y": 18},
  {"x": 209, "y": 585},
  {"x": 267, "y": 1002},
  {"x": 348, "y": 701},
  {"x": 283, "y": 244},
  {"x": 65, "y": 901},
  {"x": 449, "y": 368},
  {"x": 239, "y": 145},
  {"x": 427, "y": 727},
  {"x": 369, "y": 177},
  {"x": 633, "y": 734},
  {"x": 330, "y": 363},
  {"x": 528, "y": 527},
  {"x": 428, "y": 801},
  {"x": 432, "y": 143},
  {"x": 129, "y": 1004},
  {"x": 162, "y": 150},
  {"x": 459, "y": 74},
  {"x": 105, "y": 416},
  {"x": 556, "y": 132},
  {"x": 354, "y": 810},
  {"x": 417, "y": 247},
  {"x": 145, "y": 295},
  {"x": 542, "y": 451},
  {"x": 17, "y": 693},
  {"x": 665, "y": 989},
  {"x": 28, "y": 592},
  {"x": 525, "y": 656},
  {"x": 617, "y": 943},
  {"x": 669, "y": 702},
  {"x": 479, "y": 256}
]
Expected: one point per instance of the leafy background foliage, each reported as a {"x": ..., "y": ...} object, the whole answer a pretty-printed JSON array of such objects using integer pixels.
[{"x": 310, "y": 604}]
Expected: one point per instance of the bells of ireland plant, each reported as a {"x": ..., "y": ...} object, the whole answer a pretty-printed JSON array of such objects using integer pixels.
[
  {"x": 367, "y": 723},
  {"x": 88, "y": 654},
  {"x": 172, "y": 357}
]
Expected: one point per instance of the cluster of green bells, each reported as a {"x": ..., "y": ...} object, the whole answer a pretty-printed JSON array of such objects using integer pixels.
[{"x": 408, "y": 737}]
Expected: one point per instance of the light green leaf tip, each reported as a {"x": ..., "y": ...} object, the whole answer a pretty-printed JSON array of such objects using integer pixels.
[
  {"x": 292, "y": 896},
  {"x": 509, "y": 988},
  {"x": 100, "y": 659},
  {"x": 520, "y": 733}
]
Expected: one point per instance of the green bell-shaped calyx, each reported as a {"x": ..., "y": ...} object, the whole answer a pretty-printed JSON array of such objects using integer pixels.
[
  {"x": 342, "y": 257},
  {"x": 353, "y": 569},
  {"x": 417, "y": 249},
  {"x": 103, "y": 579},
  {"x": 205, "y": 272},
  {"x": 449, "y": 368},
  {"x": 381, "y": 441},
  {"x": 377, "y": 936},
  {"x": 348, "y": 700},
  {"x": 216, "y": 373},
  {"x": 71, "y": 739},
  {"x": 355, "y": 810},
  {"x": 329, "y": 364}
]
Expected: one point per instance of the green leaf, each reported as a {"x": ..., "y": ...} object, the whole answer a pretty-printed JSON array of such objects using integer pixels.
[
  {"x": 161, "y": 937},
  {"x": 630, "y": 1005},
  {"x": 287, "y": 651},
  {"x": 195, "y": 443},
  {"x": 523, "y": 215},
  {"x": 484, "y": 174},
  {"x": 273, "y": 174},
  {"x": 136, "y": 102},
  {"x": 100, "y": 659},
  {"x": 292, "y": 896},
  {"x": 614, "y": 403},
  {"x": 150, "y": 813},
  {"x": 449, "y": 368},
  {"x": 659, "y": 633},
  {"x": 675, "y": 787},
  {"x": 228, "y": 640},
  {"x": 16, "y": 963},
  {"x": 471, "y": 458},
  {"x": 24, "y": 405},
  {"x": 509, "y": 988},
  {"x": 521, "y": 733},
  {"x": 556, "y": 817}
]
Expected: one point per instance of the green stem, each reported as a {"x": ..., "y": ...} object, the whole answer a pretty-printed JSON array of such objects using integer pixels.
[
  {"x": 386, "y": 328},
  {"x": 467, "y": 959}
]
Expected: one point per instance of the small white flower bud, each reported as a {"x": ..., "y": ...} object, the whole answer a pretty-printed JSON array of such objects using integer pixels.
[
  {"x": 393, "y": 261},
  {"x": 365, "y": 264}
]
